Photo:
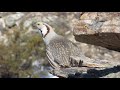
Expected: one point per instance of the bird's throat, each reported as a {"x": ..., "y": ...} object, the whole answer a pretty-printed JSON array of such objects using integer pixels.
[{"x": 48, "y": 30}]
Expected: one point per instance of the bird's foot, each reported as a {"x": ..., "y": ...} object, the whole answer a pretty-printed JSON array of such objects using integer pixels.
[
  {"x": 75, "y": 63},
  {"x": 80, "y": 63}
]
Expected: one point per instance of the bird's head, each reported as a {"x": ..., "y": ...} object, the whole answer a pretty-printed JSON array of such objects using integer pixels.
[{"x": 43, "y": 28}]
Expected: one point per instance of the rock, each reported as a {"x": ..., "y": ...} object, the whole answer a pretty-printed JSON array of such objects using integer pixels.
[
  {"x": 85, "y": 72},
  {"x": 27, "y": 24},
  {"x": 3, "y": 39},
  {"x": 105, "y": 22},
  {"x": 101, "y": 29},
  {"x": 2, "y": 24},
  {"x": 11, "y": 20}
]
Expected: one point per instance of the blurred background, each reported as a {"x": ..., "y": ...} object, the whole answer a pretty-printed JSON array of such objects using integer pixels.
[{"x": 22, "y": 52}]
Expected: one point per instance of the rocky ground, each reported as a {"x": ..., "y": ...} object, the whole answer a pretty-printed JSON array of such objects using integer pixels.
[{"x": 64, "y": 23}]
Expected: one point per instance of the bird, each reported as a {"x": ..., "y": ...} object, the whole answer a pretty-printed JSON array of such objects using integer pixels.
[{"x": 61, "y": 52}]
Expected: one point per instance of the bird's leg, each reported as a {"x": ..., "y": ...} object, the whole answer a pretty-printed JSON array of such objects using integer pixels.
[
  {"x": 80, "y": 63},
  {"x": 74, "y": 62},
  {"x": 83, "y": 62}
]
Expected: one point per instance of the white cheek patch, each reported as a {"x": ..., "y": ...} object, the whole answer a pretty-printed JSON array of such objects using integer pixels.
[{"x": 44, "y": 32}]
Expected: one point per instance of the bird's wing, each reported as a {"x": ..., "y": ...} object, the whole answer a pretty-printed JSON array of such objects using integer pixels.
[
  {"x": 60, "y": 51},
  {"x": 51, "y": 60}
]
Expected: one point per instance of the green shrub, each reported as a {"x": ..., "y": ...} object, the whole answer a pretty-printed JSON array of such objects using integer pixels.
[{"x": 22, "y": 49}]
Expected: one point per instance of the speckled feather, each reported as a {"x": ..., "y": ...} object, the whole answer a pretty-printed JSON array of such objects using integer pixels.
[{"x": 61, "y": 49}]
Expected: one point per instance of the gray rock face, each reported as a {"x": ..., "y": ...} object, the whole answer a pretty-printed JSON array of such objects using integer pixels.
[
  {"x": 102, "y": 30},
  {"x": 11, "y": 20},
  {"x": 2, "y": 24}
]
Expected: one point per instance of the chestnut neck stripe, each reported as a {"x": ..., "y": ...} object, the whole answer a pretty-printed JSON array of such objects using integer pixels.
[{"x": 48, "y": 29}]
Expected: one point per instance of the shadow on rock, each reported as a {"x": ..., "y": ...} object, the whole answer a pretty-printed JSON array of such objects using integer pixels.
[{"x": 93, "y": 73}]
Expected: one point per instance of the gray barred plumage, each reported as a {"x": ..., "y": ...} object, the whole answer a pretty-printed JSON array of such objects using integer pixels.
[{"x": 60, "y": 51}]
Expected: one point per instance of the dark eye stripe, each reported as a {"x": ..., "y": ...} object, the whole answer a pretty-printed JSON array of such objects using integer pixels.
[{"x": 40, "y": 30}]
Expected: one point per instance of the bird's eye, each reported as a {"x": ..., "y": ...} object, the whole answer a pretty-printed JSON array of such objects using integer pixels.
[{"x": 38, "y": 24}]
